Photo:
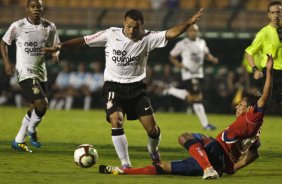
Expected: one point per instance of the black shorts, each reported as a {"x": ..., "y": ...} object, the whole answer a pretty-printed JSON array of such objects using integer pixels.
[
  {"x": 33, "y": 90},
  {"x": 130, "y": 99},
  {"x": 192, "y": 85}
]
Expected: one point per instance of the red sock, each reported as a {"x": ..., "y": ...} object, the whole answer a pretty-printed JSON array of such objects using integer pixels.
[
  {"x": 149, "y": 170},
  {"x": 198, "y": 153}
]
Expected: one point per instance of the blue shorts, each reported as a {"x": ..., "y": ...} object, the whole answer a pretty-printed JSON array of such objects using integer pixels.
[{"x": 190, "y": 167}]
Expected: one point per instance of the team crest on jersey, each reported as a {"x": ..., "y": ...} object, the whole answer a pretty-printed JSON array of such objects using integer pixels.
[
  {"x": 35, "y": 90},
  {"x": 109, "y": 104}
]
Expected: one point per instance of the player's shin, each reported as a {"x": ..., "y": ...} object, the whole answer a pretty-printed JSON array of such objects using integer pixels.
[
  {"x": 197, "y": 151},
  {"x": 121, "y": 146},
  {"x": 153, "y": 142},
  {"x": 20, "y": 138},
  {"x": 148, "y": 170},
  {"x": 35, "y": 119}
]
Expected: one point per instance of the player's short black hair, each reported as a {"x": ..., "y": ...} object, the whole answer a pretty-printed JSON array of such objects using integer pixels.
[
  {"x": 29, "y": 1},
  {"x": 135, "y": 15},
  {"x": 271, "y": 3},
  {"x": 251, "y": 98}
]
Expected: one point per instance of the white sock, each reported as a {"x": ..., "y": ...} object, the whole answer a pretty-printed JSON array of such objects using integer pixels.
[
  {"x": 87, "y": 103},
  {"x": 200, "y": 112},
  {"x": 69, "y": 102},
  {"x": 121, "y": 147},
  {"x": 22, "y": 132},
  {"x": 179, "y": 93},
  {"x": 34, "y": 122},
  {"x": 153, "y": 144}
]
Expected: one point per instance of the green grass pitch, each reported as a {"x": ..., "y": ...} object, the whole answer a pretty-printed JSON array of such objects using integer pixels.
[{"x": 61, "y": 132}]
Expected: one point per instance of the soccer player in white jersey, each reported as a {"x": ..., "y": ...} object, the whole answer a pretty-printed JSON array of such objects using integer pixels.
[
  {"x": 193, "y": 51},
  {"x": 30, "y": 34},
  {"x": 127, "y": 50}
]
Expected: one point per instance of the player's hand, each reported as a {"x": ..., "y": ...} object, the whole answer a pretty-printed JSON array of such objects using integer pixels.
[
  {"x": 50, "y": 50},
  {"x": 269, "y": 63},
  {"x": 258, "y": 74},
  {"x": 215, "y": 60},
  {"x": 197, "y": 16},
  {"x": 9, "y": 69}
]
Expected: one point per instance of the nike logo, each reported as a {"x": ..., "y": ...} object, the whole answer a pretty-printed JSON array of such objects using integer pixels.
[
  {"x": 118, "y": 39},
  {"x": 147, "y": 108}
]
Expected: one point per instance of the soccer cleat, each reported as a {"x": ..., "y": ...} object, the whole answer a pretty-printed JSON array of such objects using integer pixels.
[
  {"x": 125, "y": 166},
  {"x": 209, "y": 127},
  {"x": 20, "y": 147},
  {"x": 156, "y": 158},
  {"x": 210, "y": 173},
  {"x": 114, "y": 170},
  {"x": 33, "y": 139}
]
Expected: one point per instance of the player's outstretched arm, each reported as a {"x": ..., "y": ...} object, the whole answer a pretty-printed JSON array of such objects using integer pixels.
[
  {"x": 76, "y": 42},
  {"x": 267, "y": 89},
  {"x": 212, "y": 59},
  {"x": 174, "y": 32}
]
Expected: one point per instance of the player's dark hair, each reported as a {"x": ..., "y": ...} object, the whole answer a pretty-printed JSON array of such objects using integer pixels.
[
  {"x": 135, "y": 15},
  {"x": 251, "y": 98},
  {"x": 29, "y": 1},
  {"x": 272, "y": 3}
]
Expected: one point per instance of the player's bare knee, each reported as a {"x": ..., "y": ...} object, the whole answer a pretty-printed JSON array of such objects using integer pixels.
[
  {"x": 116, "y": 120},
  {"x": 184, "y": 138},
  {"x": 41, "y": 105},
  {"x": 154, "y": 131}
]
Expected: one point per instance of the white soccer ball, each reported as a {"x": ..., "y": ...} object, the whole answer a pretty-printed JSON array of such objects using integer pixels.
[{"x": 85, "y": 155}]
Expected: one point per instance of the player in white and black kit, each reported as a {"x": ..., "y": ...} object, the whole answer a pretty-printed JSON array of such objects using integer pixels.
[
  {"x": 31, "y": 34},
  {"x": 193, "y": 51},
  {"x": 127, "y": 50}
]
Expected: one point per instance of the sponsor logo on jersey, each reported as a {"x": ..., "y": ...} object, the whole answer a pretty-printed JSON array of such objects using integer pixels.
[
  {"x": 121, "y": 58},
  {"x": 31, "y": 71},
  {"x": 32, "y": 48},
  {"x": 93, "y": 37}
]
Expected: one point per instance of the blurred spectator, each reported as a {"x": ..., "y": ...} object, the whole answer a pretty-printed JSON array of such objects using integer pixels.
[
  {"x": 94, "y": 81},
  {"x": 221, "y": 95},
  {"x": 162, "y": 80},
  {"x": 173, "y": 4},
  {"x": 60, "y": 87},
  {"x": 157, "y": 4},
  {"x": 76, "y": 85}
]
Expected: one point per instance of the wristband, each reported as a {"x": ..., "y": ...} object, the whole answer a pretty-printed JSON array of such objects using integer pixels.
[{"x": 254, "y": 69}]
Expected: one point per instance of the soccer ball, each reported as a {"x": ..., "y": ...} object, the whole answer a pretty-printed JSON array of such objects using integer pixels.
[{"x": 85, "y": 155}]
